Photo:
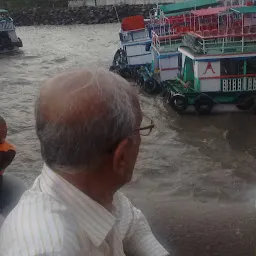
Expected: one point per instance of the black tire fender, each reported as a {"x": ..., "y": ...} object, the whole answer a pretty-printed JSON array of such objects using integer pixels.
[
  {"x": 183, "y": 102},
  {"x": 203, "y": 104},
  {"x": 151, "y": 86},
  {"x": 244, "y": 101}
]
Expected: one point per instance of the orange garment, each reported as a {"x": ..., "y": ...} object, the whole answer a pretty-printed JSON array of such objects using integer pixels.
[{"x": 7, "y": 154}]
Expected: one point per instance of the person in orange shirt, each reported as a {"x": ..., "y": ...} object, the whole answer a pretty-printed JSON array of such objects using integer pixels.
[
  {"x": 7, "y": 154},
  {"x": 7, "y": 151}
]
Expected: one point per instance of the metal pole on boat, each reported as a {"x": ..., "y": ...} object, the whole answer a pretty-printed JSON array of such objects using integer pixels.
[
  {"x": 116, "y": 13},
  {"x": 242, "y": 23}
]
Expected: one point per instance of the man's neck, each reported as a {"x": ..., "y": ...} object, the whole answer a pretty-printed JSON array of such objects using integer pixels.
[{"x": 93, "y": 187}]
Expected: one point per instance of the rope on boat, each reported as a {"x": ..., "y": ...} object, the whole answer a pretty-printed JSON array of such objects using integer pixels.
[{"x": 116, "y": 14}]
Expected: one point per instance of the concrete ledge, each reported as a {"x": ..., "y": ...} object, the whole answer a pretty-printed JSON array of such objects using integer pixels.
[{"x": 83, "y": 15}]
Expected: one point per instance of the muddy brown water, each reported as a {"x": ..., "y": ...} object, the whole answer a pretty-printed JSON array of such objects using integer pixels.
[{"x": 195, "y": 178}]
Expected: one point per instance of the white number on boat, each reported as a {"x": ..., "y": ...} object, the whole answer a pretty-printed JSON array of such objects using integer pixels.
[{"x": 237, "y": 84}]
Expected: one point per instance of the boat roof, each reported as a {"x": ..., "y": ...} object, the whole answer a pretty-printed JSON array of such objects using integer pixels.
[
  {"x": 3, "y": 11},
  {"x": 209, "y": 11},
  {"x": 205, "y": 57},
  {"x": 178, "y": 7},
  {"x": 244, "y": 9}
]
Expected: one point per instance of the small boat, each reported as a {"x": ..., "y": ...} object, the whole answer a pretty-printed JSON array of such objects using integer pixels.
[
  {"x": 135, "y": 44},
  {"x": 8, "y": 38},
  {"x": 218, "y": 61}
]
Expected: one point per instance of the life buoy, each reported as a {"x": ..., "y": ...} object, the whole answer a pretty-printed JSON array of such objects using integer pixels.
[
  {"x": 178, "y": 102},
  {"x": 244, "y": 101},
  {"x": 203, "y": 104}
]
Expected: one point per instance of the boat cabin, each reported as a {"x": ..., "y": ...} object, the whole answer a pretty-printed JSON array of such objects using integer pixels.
[{"x": 219, "y": 73}]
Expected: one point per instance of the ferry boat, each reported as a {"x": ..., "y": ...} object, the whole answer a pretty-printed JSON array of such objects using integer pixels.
[
  {"x": 218, "y": 63},
  {"x": 136, "y": 38},
  {"x": 8, "y": 38},
  {"x": 166, "y": 59}
]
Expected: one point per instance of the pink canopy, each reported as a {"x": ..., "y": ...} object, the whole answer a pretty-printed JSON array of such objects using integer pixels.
[{"x": 209, "y": 11}]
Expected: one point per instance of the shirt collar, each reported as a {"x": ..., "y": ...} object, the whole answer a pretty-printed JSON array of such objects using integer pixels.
[{"x": 93, "y": 218}]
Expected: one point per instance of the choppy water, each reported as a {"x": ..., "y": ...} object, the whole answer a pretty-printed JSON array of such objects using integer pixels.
[{"x": 198, "y": 164}]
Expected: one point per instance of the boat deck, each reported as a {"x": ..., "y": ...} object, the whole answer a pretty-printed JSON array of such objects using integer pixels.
[{"x": 220, "y": 42}]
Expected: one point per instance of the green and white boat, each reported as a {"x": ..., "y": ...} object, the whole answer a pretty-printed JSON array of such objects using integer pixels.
[{"x": 218, "y": 64}]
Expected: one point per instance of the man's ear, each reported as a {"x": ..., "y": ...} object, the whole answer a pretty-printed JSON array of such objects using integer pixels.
[{"x": 120, "y": 156}]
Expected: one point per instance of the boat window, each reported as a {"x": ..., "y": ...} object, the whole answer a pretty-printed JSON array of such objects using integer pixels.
[
  {"x": 231, "y": 67},
  {"x": 251, "y": 66},
  {"x": 148, "y": 46}
]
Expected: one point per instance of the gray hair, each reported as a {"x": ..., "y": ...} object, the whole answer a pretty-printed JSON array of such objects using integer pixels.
[{"x": 112, "y": 116}]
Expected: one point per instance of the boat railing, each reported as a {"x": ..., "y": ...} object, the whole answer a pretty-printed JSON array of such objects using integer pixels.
[
  {"x": 6, "y": 24},
  {"x": 133, "y": 35},
  {"x": 166, "y": 43},
  {"x": 238, "y": 83},
  {"x": 226, "y": 41}
]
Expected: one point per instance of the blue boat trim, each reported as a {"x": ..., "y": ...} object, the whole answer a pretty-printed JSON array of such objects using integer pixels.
[
  {"x": 231, "y": 57},
  {"x": 138, "y": 43},
  {"x": 137, "y": 65},
  {"x": 139, "y": 55}
]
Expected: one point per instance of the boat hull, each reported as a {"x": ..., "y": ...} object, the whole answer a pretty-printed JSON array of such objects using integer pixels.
[{"x": 16, "y": 48}]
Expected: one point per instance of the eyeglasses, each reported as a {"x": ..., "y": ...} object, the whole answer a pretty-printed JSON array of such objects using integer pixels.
[{"x": 146, "y": 127}]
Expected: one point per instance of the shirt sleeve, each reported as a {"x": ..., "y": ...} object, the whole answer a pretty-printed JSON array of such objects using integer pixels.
[{"x": 139, "y": 240}]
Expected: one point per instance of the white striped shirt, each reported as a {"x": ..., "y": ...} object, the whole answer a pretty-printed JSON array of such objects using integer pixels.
[{"x": 55, "y": 218}]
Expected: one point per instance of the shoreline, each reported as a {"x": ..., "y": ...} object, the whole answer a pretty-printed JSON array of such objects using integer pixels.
[{"x": 83, "y": 15}]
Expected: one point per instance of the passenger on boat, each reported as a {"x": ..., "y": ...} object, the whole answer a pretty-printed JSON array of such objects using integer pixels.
[
  {"x": 7, "y": 154},
  {"x": 7, "y": 151},
  {"x": 11, "y": 187},
  {"x": 89, "y": 124}
]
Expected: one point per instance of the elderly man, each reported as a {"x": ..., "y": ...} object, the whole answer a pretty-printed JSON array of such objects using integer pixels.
[{"x": 89, "y": 124}]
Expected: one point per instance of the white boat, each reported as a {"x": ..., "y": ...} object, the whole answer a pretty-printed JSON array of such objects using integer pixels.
[
  {"x": 135, "y": 43},
  {"x": 8, "y": 37}
]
